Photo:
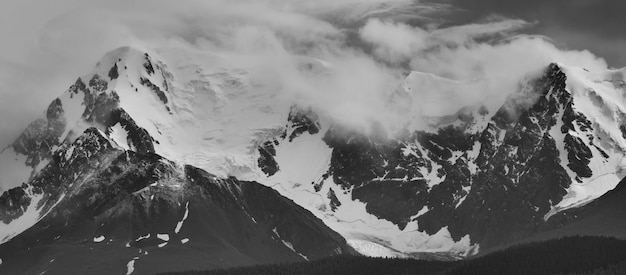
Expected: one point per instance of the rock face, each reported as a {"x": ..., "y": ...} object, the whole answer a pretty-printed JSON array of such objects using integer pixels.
[
  {"x": 298, "y": 122},
  {"x": 496, "y": 182},
  {"x": 266, "y": 161},
  {"x": 498, "y": 193}
]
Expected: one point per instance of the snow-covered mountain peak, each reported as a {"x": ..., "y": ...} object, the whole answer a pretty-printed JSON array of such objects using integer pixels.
[
  {"x": 430, "y": 102},
  {"x": 125, "y": 79}
]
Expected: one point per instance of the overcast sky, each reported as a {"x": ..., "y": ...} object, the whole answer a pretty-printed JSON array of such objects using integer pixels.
[
  {"x": 596, "y": 25},
  {"x": 46, "y": 44}
]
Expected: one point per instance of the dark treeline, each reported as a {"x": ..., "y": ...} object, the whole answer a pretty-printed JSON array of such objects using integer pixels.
[
  {"x": 333, "y": 265},
  {"x": 615, "y": 269},
  {"x": 571, "y": 255}
]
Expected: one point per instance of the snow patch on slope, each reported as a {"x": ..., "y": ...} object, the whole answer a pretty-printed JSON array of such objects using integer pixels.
[
  {"x": 98, "y": 239},
  {"x": 119, "y": 135},
  {"x": 130, "y": 266},
  {"x": 288, "y": 244},
  {"x": 179, "y": 225},
  {"x": 164, "y": 237},
  {"x": 142, "y": 237}
]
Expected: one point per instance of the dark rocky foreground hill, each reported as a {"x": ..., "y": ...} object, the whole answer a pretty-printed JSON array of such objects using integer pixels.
[{"x": 119, "y": 211}]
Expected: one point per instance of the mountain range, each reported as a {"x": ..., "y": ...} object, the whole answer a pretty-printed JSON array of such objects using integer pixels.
[{"x": 170, "y": 161}]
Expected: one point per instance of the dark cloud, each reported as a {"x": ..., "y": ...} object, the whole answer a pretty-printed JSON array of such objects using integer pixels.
[{"x": 595, "y": 25}]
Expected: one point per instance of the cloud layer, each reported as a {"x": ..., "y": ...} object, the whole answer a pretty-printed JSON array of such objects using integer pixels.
[{"x": 367, "y": 45}]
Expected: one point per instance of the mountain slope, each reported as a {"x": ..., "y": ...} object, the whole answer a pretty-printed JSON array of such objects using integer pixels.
[
  {"x": 484, "y": 175},
  {"x": 91, "y": 188},
  {"x": 481, "y": 174},
  {"x": 602, "y": 217},
  {"x": 142, "y": 210}
]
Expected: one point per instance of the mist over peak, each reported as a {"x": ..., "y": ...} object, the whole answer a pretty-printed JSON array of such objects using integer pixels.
[{"x": 342, "y": 58}]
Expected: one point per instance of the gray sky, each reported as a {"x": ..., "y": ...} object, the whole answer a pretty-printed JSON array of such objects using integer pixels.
[
  {"x": 595, "y": 25},
  {"x": 46, "y": 44}
]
